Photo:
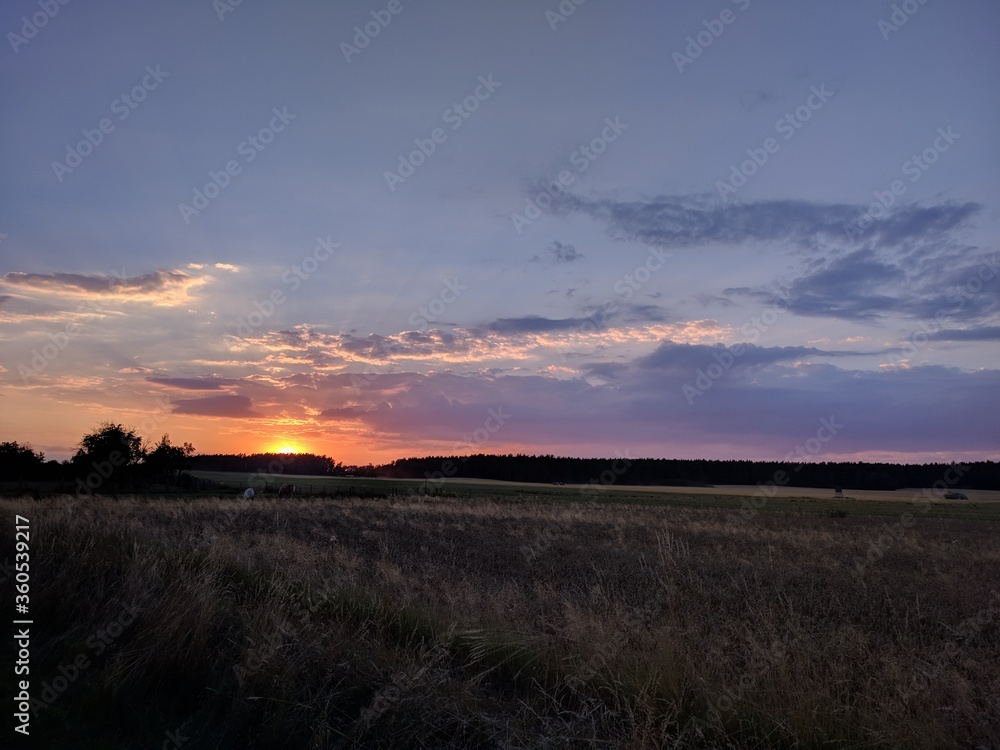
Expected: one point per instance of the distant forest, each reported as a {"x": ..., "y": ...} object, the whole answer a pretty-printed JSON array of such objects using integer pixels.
[
  {"x": 626, "y": 471},
  {"x": 165, "y": 463},
  {"x": 269, "y": 463},
  {"x": 981, "y": 475}
]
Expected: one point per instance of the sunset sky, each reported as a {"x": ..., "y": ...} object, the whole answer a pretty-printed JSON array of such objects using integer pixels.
[{"x": 502, "y": 227}]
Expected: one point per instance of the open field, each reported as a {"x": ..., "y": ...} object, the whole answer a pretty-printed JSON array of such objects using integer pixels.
[
  {"x": 503, "y": 621},
  {"x": 982, "y": 504}
]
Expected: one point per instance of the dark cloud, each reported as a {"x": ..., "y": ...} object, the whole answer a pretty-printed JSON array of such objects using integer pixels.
[
  {"x": 534, "y": 324},
  {"x": 627, "y": 313},
  {"x": 690, "y": 221},
  {"x": 645, "y": 314},
  {"x": 983, "y": 333},
  {"x": 561, "y": 253},
  {"x": 193, "y": 384},
  {"x": 709, "y": 299},
  {"x": 865, "y": 285},
  {"x": 671, "y": 355},
  {"x": 557, "y": 252},
  {"x": 151, "y": 282},
  {"x": 907, "y": 261},
  {"x": 216, "y": 406},
  {"x": 374, "y": 346},
  {"x": 911, "y": 222},
  {"x": 405, "y": 344}
]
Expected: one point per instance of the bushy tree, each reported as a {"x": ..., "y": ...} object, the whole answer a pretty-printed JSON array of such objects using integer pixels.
[
  {"x": 108, "y": 458},
  {"x": 166, "y": 461},
  {"x": 20, "y": 462}
]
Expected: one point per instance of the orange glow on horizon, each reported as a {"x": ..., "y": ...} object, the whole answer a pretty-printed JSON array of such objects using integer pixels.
[{"x": 285, "y": 447}]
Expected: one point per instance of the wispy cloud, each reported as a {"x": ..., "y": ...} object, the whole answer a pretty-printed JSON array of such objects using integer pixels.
[
  {"x": 558, "y": 252},
  {"x": 695, "y": 220},
  {"x": 982, "y": 333},
  {"x": 233, "y": 407},
  {"x": 160, "y": 287},
  {"x": 193, "y": 384},
  {"x": 679, "y": 357},
  {"x": 940, "y": 283}
]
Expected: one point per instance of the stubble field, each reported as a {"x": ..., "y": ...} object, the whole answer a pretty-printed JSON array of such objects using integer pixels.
[{"x": 509, "y": 622}]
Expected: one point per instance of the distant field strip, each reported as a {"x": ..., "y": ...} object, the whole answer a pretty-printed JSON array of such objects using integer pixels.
[{"x": 982, "y": 504}]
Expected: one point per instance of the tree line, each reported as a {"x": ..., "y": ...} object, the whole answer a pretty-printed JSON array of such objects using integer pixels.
[
  {"x": 114, "y": 458},
  {"x": 696, "y": 472}
]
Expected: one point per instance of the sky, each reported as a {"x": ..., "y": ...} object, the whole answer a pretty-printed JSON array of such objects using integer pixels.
[{"x": 728, "y": 229}]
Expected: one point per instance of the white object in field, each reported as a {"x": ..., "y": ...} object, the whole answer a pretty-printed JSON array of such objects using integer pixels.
[{"x": 248, "y": 495}]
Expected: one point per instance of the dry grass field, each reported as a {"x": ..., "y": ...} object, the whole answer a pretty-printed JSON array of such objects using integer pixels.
[{"x": 506, "y": 622}]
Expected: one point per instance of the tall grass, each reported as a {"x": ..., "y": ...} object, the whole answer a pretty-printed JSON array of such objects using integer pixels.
[{"x": 424, "y": 623}]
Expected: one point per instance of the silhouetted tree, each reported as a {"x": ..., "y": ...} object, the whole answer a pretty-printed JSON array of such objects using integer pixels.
[
  {"x": 20, "y": 462},
  {"x": 108, "y": 459},
  {"x": 166, "y": 461}
]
